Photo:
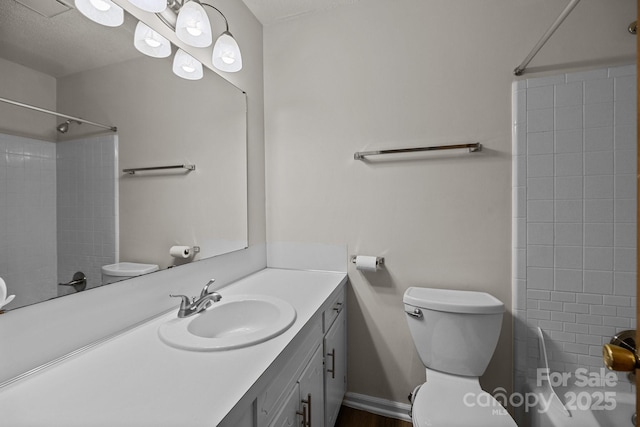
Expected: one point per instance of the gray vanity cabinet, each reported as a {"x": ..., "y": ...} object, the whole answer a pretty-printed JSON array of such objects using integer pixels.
[
  {"x": 335, "y": 378},
  {"x": 306, "y": 384},
  {"x": 304, "y": 404}
]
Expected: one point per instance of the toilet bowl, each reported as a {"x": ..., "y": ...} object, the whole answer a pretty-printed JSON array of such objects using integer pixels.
[
  {"x": 125, "y": 270},
  {"x": 455, "y": 334}
]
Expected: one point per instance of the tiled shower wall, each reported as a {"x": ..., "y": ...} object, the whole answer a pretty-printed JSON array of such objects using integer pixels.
[
  {"x": 87, "y": 207},
  {"x": 27, "y": 218},
  {"x": 574, "y": 215}
]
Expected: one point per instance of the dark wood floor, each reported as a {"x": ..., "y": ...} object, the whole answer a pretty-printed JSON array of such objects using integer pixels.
[{"x": 349, "y": 417}]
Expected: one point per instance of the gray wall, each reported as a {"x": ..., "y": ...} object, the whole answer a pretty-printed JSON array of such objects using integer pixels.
[{"x": 381, "y": 74}]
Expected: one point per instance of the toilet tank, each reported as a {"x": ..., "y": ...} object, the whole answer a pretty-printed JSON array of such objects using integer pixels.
[
  {"x": 454, "y": 331},
  {"x": 125, "y": 270}
]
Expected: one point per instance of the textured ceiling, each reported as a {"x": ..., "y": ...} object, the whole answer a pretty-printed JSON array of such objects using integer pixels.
[
  {"x": 270, "y": 11},
  {"x": 63, "y": 44}
]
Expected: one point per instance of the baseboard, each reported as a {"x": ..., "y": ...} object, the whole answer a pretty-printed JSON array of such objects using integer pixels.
[{"x": 375, "y": 405}]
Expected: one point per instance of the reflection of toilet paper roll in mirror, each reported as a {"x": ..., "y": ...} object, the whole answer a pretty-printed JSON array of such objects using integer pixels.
[
  {"x": 366, "y": 263},
  {"x": 180, "y": 251}
]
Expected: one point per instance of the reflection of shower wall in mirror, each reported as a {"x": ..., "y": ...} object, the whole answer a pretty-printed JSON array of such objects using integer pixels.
[
  {"x": 87, "y": 208},
  {"x": 28, "y": 212}
]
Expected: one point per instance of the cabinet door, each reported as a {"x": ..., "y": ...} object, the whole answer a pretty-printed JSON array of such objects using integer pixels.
[
  {"x": 312, "y": 390},
  {"x": 288, "y": 415},
  {"x": 335, "y": 347}
]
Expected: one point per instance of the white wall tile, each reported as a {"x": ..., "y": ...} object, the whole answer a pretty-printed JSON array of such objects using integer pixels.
[
  {"x": 540, "y": 97},
  {"x": 545, "y": 81},
  {"x": 540, "y": 165},
  {"x": 568, "y": 280},
  {"x": 598, "y": 234},
  {"x": 540, "y": 188},
  {"x": 569, "y": 94},
  {"x": 624, "y": 210},
  {"x": 569, "y": 210},
  {"x": 540, "y": 143},
  {"x": 624, "y": 283},
  {"x": 624, "y": 259},
  {"x": 569, "y": 257},
  {"x": 541, "y": 233},
  {"x": 597, "y": 91},
  {"x": 625, "y": 113},
  {"x": 625, "y": 235},
  {"x": 598, "y": 210},
  {"x": 625, "y": 162},
  {"x": 625, "y": 89},
  {"x": 598, "y": 282},
  {"x": 622, "y": 70},
  {"x": 587, "y": 75},
  {"x": 598, "y": 258},
  {"x": 570, "y": 141},
  {"x": 625, "y": 137},
  {"x": 625, "y": 186},
  {"x": 540, "y": 278},
  {"x": 540, "y": 210},
  {"x": 568, "y": 234},
  {"x": 540, "y": 120},
  {"x": 594, "y": 208},
  {"x": 598, "y": 186},
  {"x": 569, "y": 164},
  {"x": 540, "y": 256},
  {"x": 570, "y": 187},
  {"x": 598, "y": 115},
  {"x": 569, "y": 117}
]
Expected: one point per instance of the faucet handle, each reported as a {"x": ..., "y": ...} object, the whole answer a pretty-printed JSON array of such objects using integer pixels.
[
  {"x": 185, "y": 300},
  {"x": 205, "y": 290}
]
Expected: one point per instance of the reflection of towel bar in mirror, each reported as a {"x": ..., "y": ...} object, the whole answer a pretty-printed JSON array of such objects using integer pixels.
[
  {"x": 132, "y": 171},
  {"x": 473, "y": 147}
]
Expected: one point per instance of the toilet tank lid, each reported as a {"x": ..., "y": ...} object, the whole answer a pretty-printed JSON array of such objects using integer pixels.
[
  {"x": 453, "y": 301},
  {"x": 128, "y": 269}
]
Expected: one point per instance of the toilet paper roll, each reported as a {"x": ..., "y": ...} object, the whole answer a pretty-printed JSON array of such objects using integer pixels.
[
  {"x": 180, "y": 251},
  {"x": 366, "y": 263}
]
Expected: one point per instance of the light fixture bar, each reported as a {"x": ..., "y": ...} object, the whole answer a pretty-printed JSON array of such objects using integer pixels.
[{"x": 54, "y": 113}]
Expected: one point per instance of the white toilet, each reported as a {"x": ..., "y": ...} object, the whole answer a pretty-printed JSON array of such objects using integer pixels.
[
  {"x": 455, "y": 333},
  {"x": 125, "y": 270}
]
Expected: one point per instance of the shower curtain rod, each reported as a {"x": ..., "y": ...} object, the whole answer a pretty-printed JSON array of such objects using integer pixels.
[
  {"x": 42, "y": 110},
  {"x": 519, "y": 70}
]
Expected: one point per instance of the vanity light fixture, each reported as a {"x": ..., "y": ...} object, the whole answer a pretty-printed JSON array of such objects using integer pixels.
[
  {"x": 193, "y": 26},
  {"x": 153, "y": 6},
  {"x": 189, "y": 20},
  {"x": 103, "y": 12},
  {"x": 186, "y": 66},
  {"x": 150, "y": 42}
]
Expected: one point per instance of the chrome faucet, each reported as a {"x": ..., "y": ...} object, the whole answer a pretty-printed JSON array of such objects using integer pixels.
[{"x": 189, "y": 307}]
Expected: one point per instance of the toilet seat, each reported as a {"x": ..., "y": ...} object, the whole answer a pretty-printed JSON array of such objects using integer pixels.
[{"x": 447, "y": 400}]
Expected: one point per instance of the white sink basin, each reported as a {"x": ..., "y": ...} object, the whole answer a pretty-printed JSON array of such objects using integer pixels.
[{"x": 233, "y": 322}]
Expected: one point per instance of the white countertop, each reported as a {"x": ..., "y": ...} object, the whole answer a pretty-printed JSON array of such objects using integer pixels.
[{"x": 137, "y": 380}]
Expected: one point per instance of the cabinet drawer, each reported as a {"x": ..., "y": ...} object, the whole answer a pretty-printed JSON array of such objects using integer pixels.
[{"x": 333, "y": 310}]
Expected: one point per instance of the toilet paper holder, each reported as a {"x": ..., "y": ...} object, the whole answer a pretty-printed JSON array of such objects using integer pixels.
[{"x": 379, "y": 260}]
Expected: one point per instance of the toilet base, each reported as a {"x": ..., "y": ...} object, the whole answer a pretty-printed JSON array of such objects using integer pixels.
[{"x": 447, "y": 400}]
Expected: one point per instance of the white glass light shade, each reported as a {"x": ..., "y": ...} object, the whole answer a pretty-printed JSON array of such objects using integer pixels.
[
  {"x": 103, "y": 12},
  {"x": 226, "y": 54},
  {"x": 186, "y": 66},
  {"x": 193, "y": 26},
  {"x": 153, "y": 6},
  {"x": 150, "y": 42}
]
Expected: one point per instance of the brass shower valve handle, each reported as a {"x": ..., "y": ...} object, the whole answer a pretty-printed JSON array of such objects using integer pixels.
[{"x": 621, "y": 359}]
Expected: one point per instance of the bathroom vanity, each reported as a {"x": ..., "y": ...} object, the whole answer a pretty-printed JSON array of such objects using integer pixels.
[{"x": 136, "y": 379}]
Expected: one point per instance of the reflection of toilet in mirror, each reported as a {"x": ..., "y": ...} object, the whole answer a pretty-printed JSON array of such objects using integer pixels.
[
  {"x": 125, "y": 270},
  {"x": 455, "y": 333}
]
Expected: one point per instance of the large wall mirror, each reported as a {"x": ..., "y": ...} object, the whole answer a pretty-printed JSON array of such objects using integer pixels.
[{"x": 66, "y": 205}]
